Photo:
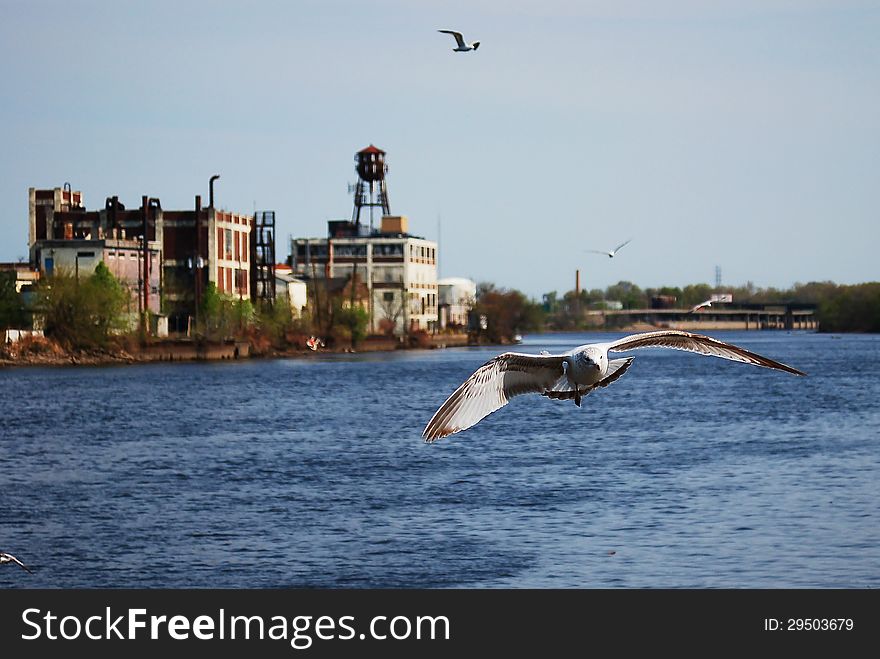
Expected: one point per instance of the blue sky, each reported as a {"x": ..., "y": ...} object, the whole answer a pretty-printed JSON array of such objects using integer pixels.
[{"x": 743, "y": 134}]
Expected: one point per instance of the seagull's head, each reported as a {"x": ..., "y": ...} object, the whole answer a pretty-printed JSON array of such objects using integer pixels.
[
  {"x": 475, "y": 45},
  {"x": 593, "y": 358}
]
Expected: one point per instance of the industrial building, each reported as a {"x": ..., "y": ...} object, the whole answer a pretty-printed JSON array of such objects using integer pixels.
[
  {"x": 291, "y": 289},
  {"x": 398, "y": 269},
  {"x": 457, "y": 296},
  {"x": 175, "y": 252}
]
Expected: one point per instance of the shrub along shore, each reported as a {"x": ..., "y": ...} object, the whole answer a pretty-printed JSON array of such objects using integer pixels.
[{"x": 89, "y": 320}]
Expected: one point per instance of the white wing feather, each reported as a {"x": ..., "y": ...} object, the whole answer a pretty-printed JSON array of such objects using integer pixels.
[
  {"x": 490, "y": 388},
  {"x": 704, "y": 345},
  {"x": 623, "y": 244},
  {"x": 458, "y": 36}
]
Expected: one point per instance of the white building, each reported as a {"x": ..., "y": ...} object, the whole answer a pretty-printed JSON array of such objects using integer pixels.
[
  {"x": 457, "y": 296},
  {"x": 399, "y": 270},
  {"x": 288, "y": 287}
]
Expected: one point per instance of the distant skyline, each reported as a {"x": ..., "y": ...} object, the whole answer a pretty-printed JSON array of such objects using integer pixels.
[{"x": 740, "y": 134}]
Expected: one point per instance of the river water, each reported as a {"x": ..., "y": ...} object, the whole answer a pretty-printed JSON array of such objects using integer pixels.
[{"x": 687, "y": 472}]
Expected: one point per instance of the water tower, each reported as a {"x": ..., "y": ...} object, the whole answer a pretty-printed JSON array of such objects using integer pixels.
[{"x": 370, "y": 190}]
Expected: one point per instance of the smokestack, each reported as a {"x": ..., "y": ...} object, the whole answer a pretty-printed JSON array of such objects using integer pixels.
[
  {"x": 211, "y": 190},
  {"x": 577, "y": 282}
]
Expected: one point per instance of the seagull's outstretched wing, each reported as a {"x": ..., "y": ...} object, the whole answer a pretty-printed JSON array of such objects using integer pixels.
[
  {"x": 9, "y": 558},
  {"x": 623, "y": 244},
  {"x": 457, "y": 35},
  {"x": 707, "y": 303},
  {"x": 704, "y": 345},
  {"x": 599, "y": 251},
  {"x": 491, "y": 387}
]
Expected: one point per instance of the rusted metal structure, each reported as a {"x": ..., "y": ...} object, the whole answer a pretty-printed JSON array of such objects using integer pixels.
[
  {"x": 263, "y": 257},
  {"x": 370, "y": 190}
]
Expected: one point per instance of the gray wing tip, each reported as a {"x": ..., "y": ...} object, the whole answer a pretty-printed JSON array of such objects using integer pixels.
[{"x": 439, "y": 433}]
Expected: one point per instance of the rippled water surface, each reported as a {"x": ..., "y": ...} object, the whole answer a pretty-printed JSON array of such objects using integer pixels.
[{"x": 687, "y": 472}]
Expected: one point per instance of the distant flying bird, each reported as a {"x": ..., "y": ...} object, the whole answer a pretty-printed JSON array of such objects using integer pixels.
[
  {"x": 707, "y": 303},
  {"x": 567, "y": 376},
  {"x": 462, "y": 46},
  {"x": 9, "y": 558},
  {"x": 612, "y": 252}
]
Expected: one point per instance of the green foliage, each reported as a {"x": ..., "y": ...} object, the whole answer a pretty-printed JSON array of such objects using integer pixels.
[
  {"x": 841, "y": 308},
  {"x": 12, "y": 309},
  {"x": 354, "y": 320},
  {"x": 507, "y": 312},
  {"x": 276, "y": 321},
  {"x": 83, "y": 313},
  {"x": 630, "y": 295},
  {"x": 851, "y": 309},
  {"x": 224, "y": 316}
]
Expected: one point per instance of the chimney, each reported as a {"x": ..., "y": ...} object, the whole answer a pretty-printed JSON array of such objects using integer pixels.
[{"x": 577, "y": 282}]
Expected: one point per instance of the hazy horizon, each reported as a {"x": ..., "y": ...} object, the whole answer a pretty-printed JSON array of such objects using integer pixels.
[{"x": 739, "y": 134}]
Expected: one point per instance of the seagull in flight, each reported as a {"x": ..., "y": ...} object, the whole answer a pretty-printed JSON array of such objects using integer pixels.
[
  {"x": 567, "y": 376},
  {"x": 9, "y": 558},
  {"x": 614, "y": 251},
  {"x": 701, "y": 305},
  {"x": 462, "y": 46}
]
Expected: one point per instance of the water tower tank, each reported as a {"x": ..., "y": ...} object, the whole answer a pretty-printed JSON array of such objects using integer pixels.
[{"x": 370, "y": 164}]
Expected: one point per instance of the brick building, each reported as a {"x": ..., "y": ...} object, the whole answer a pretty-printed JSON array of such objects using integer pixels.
[{"x": 176, "y": 252}]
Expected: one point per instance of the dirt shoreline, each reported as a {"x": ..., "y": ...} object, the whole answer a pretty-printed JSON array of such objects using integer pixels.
[
  {"x": 42, "y": 352},
  {"x": 48, "y": 353}
]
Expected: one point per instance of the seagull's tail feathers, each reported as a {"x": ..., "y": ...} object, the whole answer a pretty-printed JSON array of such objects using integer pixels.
[
  {"x": 563, "y": 390},
  {"x": 569, "y": 394}
]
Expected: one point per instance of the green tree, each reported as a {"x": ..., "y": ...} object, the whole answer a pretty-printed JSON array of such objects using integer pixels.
[
  {"x": 12, "y": 311},
  {"x": 630, "y": 295},
  {"x": 223, "y": 316},
  {"x": 85, "y": 312},
  {"x": 107, "y": 299},
  {"x": 353, "y": 319},
  {"x": 507, "y": 312}
]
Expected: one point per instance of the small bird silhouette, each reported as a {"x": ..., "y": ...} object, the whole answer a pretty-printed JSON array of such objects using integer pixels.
[
  {"x": 701, "y": 305},
  {"x": 9, "y": 558},
  {"x": 462, "y": 46},
  {"x": 614, "y": 251}
]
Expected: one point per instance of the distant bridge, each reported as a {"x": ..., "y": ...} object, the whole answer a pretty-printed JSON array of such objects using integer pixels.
[{"x": 750, "y": 317}]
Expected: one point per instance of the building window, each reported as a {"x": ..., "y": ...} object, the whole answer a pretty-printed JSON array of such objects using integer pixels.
[
  {"x": 388, "y": 296},
  {"x": 388, "y": 249},
  {"x": 227, "y": 244},
  {"x": 350, "y": 251}
]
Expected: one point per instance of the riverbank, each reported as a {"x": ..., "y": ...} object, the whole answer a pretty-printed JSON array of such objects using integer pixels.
[{"x": 40, "y": 351}]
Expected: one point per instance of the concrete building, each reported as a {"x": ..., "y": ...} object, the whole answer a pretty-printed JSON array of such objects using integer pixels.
[
  {"x": 457, "y": 296},
  {"x": 65, "y": 237},
  {"x": 199, "y": 246},
  {"x": 176, "y": 251},
  {"x": 291, "y": 289},
  {"x": 398, "y": 269},
  {"x": 24, "y": 274}
]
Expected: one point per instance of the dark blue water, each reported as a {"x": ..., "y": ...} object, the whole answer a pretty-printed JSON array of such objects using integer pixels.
[{"x": 687, "y": 472}]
